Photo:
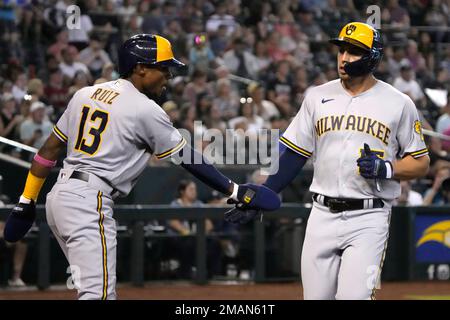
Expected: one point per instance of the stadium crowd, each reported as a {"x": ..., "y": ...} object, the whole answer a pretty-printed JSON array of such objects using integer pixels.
[{"x": 250, "y": 63}]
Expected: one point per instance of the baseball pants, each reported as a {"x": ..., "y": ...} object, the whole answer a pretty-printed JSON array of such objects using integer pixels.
[
  {"x": 79, "y": 214},
  {"x": 343, "y": 253}
]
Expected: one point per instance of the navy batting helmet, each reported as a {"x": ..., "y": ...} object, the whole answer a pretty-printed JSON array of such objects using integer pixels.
[
  {"x": 146, "y": 49},
  {"x": 365, "y": 37}
]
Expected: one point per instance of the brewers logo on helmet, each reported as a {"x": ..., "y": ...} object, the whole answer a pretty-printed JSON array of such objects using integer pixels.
[
  {"x": 365, "y": 37},
  {"x": 147, "y": 49}
]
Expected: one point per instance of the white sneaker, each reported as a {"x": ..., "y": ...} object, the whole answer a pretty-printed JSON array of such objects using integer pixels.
[
  {"x": 16, "y": 283},
  {"x": 244, "y": 275}
]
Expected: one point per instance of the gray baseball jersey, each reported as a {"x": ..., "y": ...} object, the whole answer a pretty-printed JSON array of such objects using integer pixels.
[
  {"x": 111, "y": 129},
  {"x": 332, "y": 127},
  {"x": 343, "y": 252}
]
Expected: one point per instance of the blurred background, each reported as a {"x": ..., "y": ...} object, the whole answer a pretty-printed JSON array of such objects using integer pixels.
[{"x": 250, "y": 64}]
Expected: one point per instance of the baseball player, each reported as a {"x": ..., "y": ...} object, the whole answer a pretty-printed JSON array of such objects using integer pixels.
[
  {"x": 110, "y": 131},
  {"x": 362, "y": 136}
]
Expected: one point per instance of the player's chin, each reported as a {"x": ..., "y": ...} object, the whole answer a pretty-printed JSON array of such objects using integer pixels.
[{"x": 343, "y": 75}]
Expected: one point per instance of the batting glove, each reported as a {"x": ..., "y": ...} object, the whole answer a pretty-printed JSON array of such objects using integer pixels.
[
  {"x": 20, "y": 220},
  {"x": 373, "y": 167},
  {"x": 250, "y": 200},
  {"x": 239, "y": 214},
  {"x": 255, "y": 196}
]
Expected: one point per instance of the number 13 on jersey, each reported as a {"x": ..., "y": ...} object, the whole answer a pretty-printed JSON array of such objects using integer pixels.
[{"x": 98, "y": 120}]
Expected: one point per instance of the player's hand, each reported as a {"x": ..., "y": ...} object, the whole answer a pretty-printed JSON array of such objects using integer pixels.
[
  {"x": 239, "y": 214},
  {"x": 373, "y": 167},
  {"x": 255, "y": 196},
  {"x": 19, "y": 221},
  {"x": 250, "y": 202}
]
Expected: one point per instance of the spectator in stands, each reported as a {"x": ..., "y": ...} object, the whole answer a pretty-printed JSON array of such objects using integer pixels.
[
  {"x": 19, "y": 89},
  {"x": 247, "y": 115},
  {"x": 79, "y": 81},
  {"x": 62, "y": 42},
  {"x": 415, "y": 58},
  {"x": 396, "y": 58},
  {"x": 108, "y": 72},
  {"x": 261, "y": 60},
  {"x": 279, "y": 89},
  {"x": 229, "y": 237},
  {"x": 127, "y": 10},
  {"x": 94, "y": 56},
  {"x": 36, "y": 89},
  {"x": 201, "y": 56},
  {"x": 443, "y": 122},
  {"x": 308, "y": 25},
  {"x": 7, "y": 86},
  {"x": 408, "y": 85},
  {"x": 177, "y": 37},
  {"x": 36, "y": 129},
  {"x": 408, "y": 197},
  {"x": 213, "y": 120},
  {"x": 226, "y": 99},
  {"x": 204, "y": 102},
  {"x": 187, "y": 197},
  {"x": 19, "y": 256},
  {"x": 10, "y": 120},
  {"x": 238, "y": 59},
  {"x": 263, "y": 108},
  {"x": 188, "y": 115},
  {"x": 197, "y": 85},
  {"x": 153, "y": 22},
  {"x": 171, "y": 108},
  {"x": 56, "y": 93},
  {"x": 399, "y": 17},
  {"x": 439, "y": 193},
  {"x": 220, "y": 40},
  {"x": 69, "y": 66},
  {"x": 175, "y": 93},
  {"x": 220, "y": 18},
  {"x": 79, "y": 37}
]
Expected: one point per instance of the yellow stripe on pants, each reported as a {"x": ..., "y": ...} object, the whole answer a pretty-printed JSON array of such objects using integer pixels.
[{"x": 103, "y": 239}]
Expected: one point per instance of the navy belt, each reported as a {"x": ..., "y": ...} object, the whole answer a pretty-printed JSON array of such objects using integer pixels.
[
  {"x": 344, "y": 204},
  {"x": 85, "y": 177}
]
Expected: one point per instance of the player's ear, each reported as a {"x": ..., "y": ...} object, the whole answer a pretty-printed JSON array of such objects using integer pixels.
[{"x": 140, "y": 70}]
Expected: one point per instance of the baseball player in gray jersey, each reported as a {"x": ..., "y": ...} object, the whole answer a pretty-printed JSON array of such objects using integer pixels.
[
  {"x": 362, "y": 136},
  {"x": 110, "y": 131}
]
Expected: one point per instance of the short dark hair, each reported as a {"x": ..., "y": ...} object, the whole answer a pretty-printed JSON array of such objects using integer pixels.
[
  {"x": 183, "y": 185},
  {"x": 446, "y": 184}
]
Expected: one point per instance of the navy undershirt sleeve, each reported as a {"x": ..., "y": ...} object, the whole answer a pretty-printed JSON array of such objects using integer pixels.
[
  {"x": 206, "y": 172},
  {"x": 290, "y": 164}
]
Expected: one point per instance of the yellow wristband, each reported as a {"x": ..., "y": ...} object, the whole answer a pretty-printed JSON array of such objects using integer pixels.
[{"x": 33, "y": 186}]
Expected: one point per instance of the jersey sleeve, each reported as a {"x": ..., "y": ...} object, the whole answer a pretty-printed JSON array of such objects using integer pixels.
[
  {"x": 409, "y": 134},
  {"x": 155, "y": 130},
  {"x": 61, "y": 128},
  {"x": 299, "y": 136}
]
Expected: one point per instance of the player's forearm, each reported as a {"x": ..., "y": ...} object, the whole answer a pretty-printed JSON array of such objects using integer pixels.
[
  {"x": 289, "y": 165},
  {"x": 410, "y": 168},
  {"x": 206, "y": 172},
  {"x": 428, "y": 199},
  {"x": 41, "y": 166}
]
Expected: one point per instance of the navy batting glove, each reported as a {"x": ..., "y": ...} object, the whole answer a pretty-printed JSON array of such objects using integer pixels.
[
  {"x": 255, "y": 196},
  {"x": 241, "y": 214},
  {"x": 250, "y": 200},
  {"x": 19, "y": 221},
  {"x": 373, "y": 167}
]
